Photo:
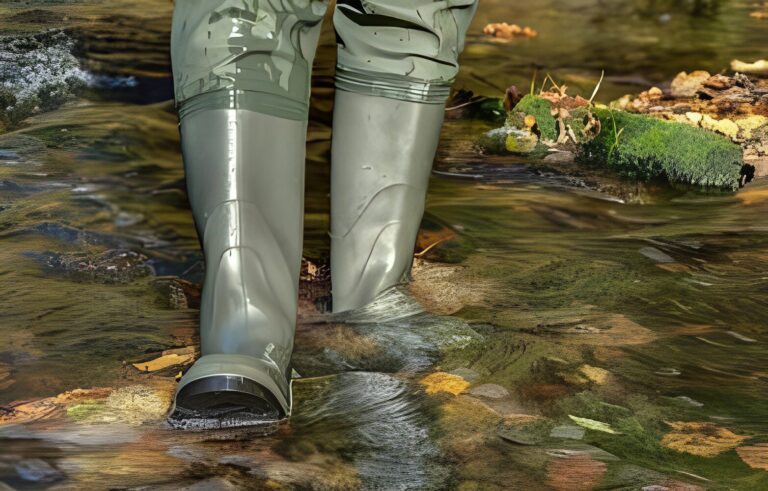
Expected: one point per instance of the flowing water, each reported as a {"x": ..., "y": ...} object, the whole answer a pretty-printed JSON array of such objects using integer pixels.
[{"x": 605, "y": 334}]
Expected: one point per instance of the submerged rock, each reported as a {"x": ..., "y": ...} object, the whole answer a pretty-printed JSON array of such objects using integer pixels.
[
  {"x": 37, "y": 73},
  {"x": 575, "y": 473},
  {"x": 38, "y": 470},
  {"x": 489, "y": 391},
  {"x": 568, "y": 432},
  {"x": 656, "y": 255},
  {"x": 111, "y": 266},
  {"x": 441, "y": 290},
  {"x": 466, "y": 373}
]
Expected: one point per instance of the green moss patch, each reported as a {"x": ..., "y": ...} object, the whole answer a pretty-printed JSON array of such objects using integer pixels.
[{"x": 642, "y": 147}]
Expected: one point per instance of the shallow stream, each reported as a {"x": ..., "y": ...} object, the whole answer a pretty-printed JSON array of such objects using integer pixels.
[{"x": 574, "y": 334}]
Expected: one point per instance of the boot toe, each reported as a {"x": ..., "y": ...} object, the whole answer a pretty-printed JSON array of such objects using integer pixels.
[{"x": 224, "y": 401}]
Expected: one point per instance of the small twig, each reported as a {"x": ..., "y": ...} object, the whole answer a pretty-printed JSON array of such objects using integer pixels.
[
  {"x": 475, "y": 101},
  {"x": 428, "y": 248},
  {"x": 597, "y": 87},
  {"x": 486, "y": 82},
  {"x": 554, "y": 84}
]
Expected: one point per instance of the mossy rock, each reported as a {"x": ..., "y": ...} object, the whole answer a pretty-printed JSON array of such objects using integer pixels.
[
  {"x": 643, "y": 147},
  {"x": 539, "y": 108}
]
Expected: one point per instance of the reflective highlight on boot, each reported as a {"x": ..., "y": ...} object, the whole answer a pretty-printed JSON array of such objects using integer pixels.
[{"x": 245, "y": 181}]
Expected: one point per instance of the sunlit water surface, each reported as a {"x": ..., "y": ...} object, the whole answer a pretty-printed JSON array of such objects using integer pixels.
[{"x": 662, "y": 291}]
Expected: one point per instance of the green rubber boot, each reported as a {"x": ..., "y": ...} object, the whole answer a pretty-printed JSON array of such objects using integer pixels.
[
  {"x": 241, "y": 73},
  {"x": 397, "y": 60}
]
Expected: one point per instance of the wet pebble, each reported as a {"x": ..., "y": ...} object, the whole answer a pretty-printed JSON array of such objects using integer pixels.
[
  {"x": 689, "y": 401},
  {"x": 518, "y": 436},
  {"x": 214, "y": 483},
  {"x": 490, "y": 391},
  {"x": 668, "y": 372},
  {"x": 111, "y": 266},
  {"x": 128, "y": 219},
  {"x": 568, "y": 431},
  {"x": 466, "y": 373},
  {"x": 656, "y": 255},
  {"x": 37, "y": 470}
]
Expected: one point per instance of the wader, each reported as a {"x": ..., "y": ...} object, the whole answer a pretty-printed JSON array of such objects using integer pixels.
[{"x": 241, "y": 72}]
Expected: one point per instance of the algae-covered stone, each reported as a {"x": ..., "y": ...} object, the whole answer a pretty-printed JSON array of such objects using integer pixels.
[
  {"x": 520, "y": 141},
  {"x": 639, "y": 146},
  {"x": 490, "y": 391},
  {"x": 508, "y": 139},
  {"x": 645, "y": 148},
  {"x": 541, "y": 109}
]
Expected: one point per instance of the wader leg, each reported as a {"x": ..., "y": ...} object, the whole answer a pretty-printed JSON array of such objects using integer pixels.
[
  {"x": 241, "y": 74},
  {"x": 397, "y": 60}
]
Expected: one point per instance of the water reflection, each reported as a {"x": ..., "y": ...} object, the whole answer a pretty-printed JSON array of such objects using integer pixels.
[{"x": 628, "y": 306}]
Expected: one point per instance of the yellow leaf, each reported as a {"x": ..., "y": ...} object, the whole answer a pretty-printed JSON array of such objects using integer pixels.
[
  {"x": 702, "y": 439},
  {"x": 597, "y": 375},
  {"x": 444, "y": 382},
  {"x": 164, "y": 361}
]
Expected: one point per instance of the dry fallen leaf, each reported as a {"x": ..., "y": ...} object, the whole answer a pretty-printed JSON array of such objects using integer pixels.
[
  {"x": 751, "y": 196},
  {"x": 755, "y": 456},
  {"x": 758, "y": 14},
  {"x": 164, "y": 361},
  {"x": 444, "y": 382},
  {"x": 596, "y": 375},
  {"x": 758, "y": 67},
  {"x": 428, "y": 238},
  {"x": 503, "y": 30},
  {"x": 702, "y": 439}
]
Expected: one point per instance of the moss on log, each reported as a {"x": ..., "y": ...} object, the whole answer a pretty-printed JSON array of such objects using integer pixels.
[
  {"x": 541, "y": 109},
  {"x": 643, "y": 147}
]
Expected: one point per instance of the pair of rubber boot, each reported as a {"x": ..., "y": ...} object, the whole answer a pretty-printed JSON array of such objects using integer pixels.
[{"x": 242, "y": 82}]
